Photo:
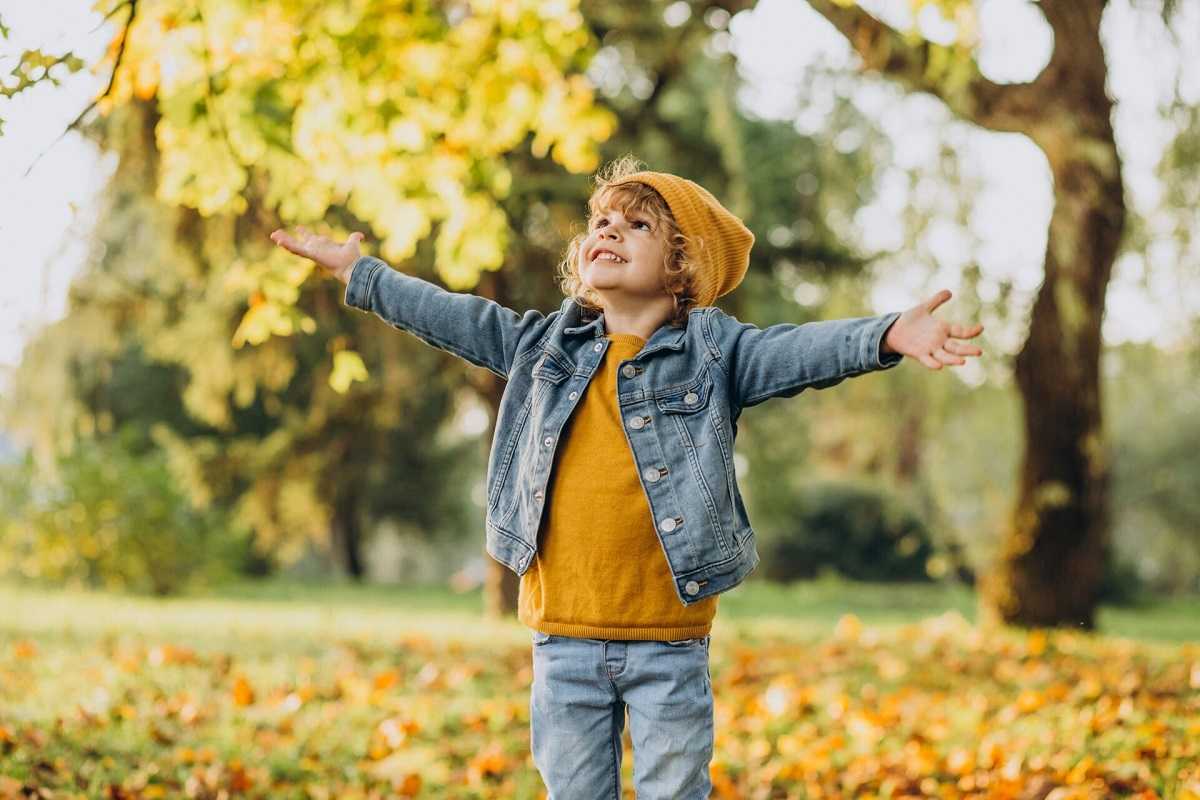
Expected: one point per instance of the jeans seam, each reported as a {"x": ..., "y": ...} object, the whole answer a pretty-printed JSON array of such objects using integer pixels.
[{"x": 616, "y": 759}]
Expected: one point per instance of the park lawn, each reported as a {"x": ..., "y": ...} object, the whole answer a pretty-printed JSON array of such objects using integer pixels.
[{"x": 822, "y": 689}]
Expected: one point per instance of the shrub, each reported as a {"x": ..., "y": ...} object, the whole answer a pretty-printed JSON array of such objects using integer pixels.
[
  {"x": 113, "y": 519},
  {"x": 856, "y": 529}
]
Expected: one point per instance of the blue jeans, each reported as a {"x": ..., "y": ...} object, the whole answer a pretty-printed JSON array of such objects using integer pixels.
[{"x": 581, "y": 688}]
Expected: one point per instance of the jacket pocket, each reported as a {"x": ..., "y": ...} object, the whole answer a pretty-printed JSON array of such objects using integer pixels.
[
  {"x": 688, "y": 399},
  {"x": 548, "y": 368}
]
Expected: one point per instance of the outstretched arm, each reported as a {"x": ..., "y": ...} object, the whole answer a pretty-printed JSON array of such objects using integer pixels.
[
  {"x": 784, "y": 359},
  {"x": 471, "y": 327},
  {"x": 932, "y": 342}
]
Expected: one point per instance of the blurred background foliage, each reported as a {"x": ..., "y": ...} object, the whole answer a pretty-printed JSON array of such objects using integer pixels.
[{"x": 208, "y": 407}]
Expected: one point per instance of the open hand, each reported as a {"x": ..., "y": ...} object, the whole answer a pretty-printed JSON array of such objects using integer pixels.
[
  {"x": 334, "y": 258},
  {"x": 932, "y": 342}
]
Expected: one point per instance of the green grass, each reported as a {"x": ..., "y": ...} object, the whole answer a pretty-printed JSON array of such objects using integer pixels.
[{"x": 283, "y": 609}]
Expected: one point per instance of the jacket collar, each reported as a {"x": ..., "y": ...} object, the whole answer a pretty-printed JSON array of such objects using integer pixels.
[{"x": 665, "y": 337}]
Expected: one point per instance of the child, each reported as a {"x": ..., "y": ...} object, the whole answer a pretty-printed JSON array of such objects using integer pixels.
[{"x": 611, "y": 487}]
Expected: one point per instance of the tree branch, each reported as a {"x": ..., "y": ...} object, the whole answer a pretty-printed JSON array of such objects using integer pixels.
[
  {"x": 111, "y": 80},
  {"x": 1000, "y": 107}
]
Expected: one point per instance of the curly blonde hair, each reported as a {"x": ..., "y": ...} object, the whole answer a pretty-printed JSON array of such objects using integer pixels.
[{"x": 678, "y": 268}]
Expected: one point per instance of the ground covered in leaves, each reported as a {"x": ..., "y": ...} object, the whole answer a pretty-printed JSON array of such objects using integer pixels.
[{"x": 229, "y": 700}]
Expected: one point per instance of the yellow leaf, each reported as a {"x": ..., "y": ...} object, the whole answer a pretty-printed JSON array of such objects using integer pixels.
[
  {"x": 348, "y": 367},
  {"x": 848, "y": 628}
]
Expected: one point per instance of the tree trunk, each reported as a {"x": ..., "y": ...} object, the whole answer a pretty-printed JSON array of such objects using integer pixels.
[
  {"x": 347, "y": 536},
  {"x": 1051, "y": 561},
  {"x": 501, "y": 585}
]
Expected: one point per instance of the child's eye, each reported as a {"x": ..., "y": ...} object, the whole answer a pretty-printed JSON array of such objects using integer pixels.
[{"x": 603, "y": 220}]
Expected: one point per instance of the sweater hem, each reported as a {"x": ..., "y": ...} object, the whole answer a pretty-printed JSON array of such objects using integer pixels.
[{"x": 623, "y": 634}]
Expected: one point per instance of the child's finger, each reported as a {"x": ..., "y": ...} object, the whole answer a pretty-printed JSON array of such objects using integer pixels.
[
  {"x": 963, "y": 332},
  {"x": 287, "y": 242},
  {"x": 929, "y": 361},
  {"x": 946, "y": 358},
  {"x": 958, "y": 348}
]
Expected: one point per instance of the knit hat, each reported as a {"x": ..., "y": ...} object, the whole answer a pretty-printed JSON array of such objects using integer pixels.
[{"x": 718, "y": 242}]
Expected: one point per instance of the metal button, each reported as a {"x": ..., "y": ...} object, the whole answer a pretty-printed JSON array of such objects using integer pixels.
[
  {"x": 573, "y": 395},
  {"x": 629, "y": 370},
  {"x": 651, "y": 474},
  {"x": 549, "y": 440},
  {"x": 598, "y": 347},
  {"x": 636, "y": 423},
  {"x": 691, "y": 587},
  {"x": 538, "y": 495},
  {"x": 667, "y": 524},
  {"x": 690, "y": 398}
]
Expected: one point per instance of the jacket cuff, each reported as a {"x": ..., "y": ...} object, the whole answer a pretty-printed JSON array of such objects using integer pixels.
[
  {"x": 875, "y": 358},
  {"x": 363, "y": 273}
]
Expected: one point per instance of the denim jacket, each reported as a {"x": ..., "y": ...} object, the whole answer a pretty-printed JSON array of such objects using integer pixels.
[{"x": 679, "y": 398}]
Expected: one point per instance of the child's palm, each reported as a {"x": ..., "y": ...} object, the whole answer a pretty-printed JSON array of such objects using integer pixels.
[{"x": 334, "y": 257}]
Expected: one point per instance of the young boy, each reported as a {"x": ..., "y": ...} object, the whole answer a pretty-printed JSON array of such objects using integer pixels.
[{"x": 611, "y": 487}]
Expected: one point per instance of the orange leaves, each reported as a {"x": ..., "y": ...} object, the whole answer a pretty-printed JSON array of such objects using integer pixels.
[
  {"x": 165, "y": 654},
  {"x": 1013, "y": 714},
  {"x": 928, "y": 710},
  {"x": 243, "y": 692},
  {"x": 24, "y": 649},
  {"x": 491, "y": 762}
]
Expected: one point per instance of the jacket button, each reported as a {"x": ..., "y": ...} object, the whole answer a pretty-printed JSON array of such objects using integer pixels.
[
  {"x": 667, "y": 524},
  {"x": 691, "y": 587},
  {"x": 690, "y": 398},
  {"x": 636, "y": 423},
  {"x": 573, "y": 395},
  {"x": 549, "y": 440},
  {"x": 598, "y": 347},
  {"x": 651, "y": 474},
  {"x": 629, "y": 370}
]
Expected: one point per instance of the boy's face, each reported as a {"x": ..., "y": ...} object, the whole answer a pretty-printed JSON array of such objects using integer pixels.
[{"x": 641, "y": 250}]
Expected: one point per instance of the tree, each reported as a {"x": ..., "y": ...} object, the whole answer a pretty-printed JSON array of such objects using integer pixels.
[
  {"x": 146, "y": 344},
  {"x": 1055, "y": 547}
]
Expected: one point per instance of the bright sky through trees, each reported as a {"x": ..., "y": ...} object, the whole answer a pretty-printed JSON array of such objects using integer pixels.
[{"x": 45, "y": 218}]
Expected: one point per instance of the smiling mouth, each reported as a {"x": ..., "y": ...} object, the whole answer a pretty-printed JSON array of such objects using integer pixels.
[{"x": 610, "y": 257}]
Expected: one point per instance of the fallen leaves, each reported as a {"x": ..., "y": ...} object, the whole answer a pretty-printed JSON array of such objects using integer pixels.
[{"x": 936, "y": 709}]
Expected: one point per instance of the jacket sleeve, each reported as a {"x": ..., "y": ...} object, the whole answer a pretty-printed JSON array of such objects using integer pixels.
[
  {"x": 782, "y": 360},
  {"x": 471, "y": 327}
]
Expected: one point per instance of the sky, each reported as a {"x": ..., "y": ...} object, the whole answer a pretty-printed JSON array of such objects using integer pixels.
[{"x": 45, "y": 217}]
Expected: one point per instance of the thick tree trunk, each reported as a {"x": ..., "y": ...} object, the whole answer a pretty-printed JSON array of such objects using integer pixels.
[{"x": 1052, "y": 558}]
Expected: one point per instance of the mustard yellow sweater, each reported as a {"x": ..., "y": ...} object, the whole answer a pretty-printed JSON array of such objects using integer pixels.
[{"x": 600, "y": 571}]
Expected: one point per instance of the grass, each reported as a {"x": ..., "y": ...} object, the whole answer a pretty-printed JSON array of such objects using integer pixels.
[{"x": 287, "y": 607}]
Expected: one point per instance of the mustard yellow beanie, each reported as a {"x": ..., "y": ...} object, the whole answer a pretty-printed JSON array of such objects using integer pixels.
[{"x": 718, "y": 242}]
